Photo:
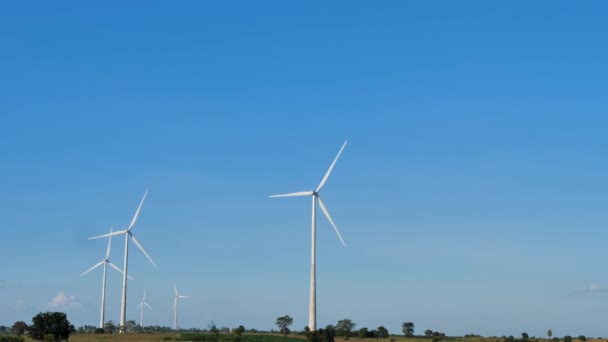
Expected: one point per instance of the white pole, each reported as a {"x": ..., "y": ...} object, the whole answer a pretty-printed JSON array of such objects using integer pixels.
[
  {"x": 123, "y": 305},
  {"x": 175, "y": 314},
  {"x": 103, "y": 295},
  {"x": 312, "y": 315}
]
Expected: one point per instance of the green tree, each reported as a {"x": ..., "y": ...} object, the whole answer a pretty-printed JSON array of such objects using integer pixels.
[
  {"x": 320, "y": 335},
  {"x": 567, "y": 338},
  {"x": 283, "y": 324},
  {"x": 549, "y": 333},
  {"x": 51, "y": 323},
  {"x": 382, "y": 332},
  {"x": 408, "y": 329},
  {"x": 239, "y": 330},
  {"x": 363, "y": 333},
  {"x": 428, "y": 333},
  {"x": 19, "y": 328},
  {"x": 582, "y": 338},
  {"x": 344, "y": 328},
  {"x": 215, "y": 332},
  {"x": 109, "y": 327},
  {"x": 524, "y": 336},
  {"x": 555, "y": 339}
]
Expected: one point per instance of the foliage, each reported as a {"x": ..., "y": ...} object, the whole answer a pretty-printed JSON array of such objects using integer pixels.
[
  {"x": 408, "y": 329},
  {"x": 382, "y": 332},
  {"x": 567, "y": 338},
  {"x": 53, "y": 323},
  {"x": 206, "y": 337},
  {"x": 582, "y": 338},
  {"x": 11, "y": 338},
  {"x": 283, "y": 323},
  {"x": 109, "y": 327},
  {"x": 555, "y": 339},
  {"x": 19, "y": 328},
  {"x": 321, "y": 335},
  {"x": 98, "y": 331},
  {"x": 428, "y": 333},
  {"x": 344, "y": 328},
  {"x": 362, "y": 333},
  {"x": 238, "y": 331},
  {"x": 215, "y": 332},
  {"x": 524, "y": 336},
  {"x": 549, "y": 333},
  {"x": 438, "y": 336}
]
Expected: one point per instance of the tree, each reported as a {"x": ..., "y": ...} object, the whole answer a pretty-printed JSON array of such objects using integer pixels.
[
  {"x": 51, "y": 323},
  {"x": 109, "y": 327},
  {"x": 238, "y": 331},
  {"x": 344, "y": 328},
  {"x": 363, "y": 333},
  {"x": 320, "y": 335},
  {"x": 549, "y": 333},
  {"x": 382, "y": 332},
  {"x": 19, "y": 328},
  {"x": 524, "y": 336},
  {"x": 428, "y": 333},
  {"x": 408, "y": 329},
  {"x": 215, "y": 332},
  {"x": 567, "y": 338},
  {"x": 582, "y": 338},
  {"x": 283, "y": 323},
  {"x": 129, "y": 325}
]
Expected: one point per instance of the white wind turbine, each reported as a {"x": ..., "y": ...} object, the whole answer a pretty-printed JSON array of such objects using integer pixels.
[
  {"x": 105, "y": 262},
  {"x": 141, "y": 306},
  {"x": 128, "y": 233},
  {"x": 177, "y": 295},
  {"x": 312, "y": 315}
]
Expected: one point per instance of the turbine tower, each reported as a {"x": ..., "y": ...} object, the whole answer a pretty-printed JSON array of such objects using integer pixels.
[
  {"x": 312, "y": 315},
  {"x": 141, "y": 306},
  {"x": 177, "y": 295},
  {"x": 128, "y": 233},
  {"x": 105, "y": 262}
]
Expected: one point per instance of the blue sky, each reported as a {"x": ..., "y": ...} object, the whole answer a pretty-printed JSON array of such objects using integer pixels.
[{"x": 471, "y": 195}]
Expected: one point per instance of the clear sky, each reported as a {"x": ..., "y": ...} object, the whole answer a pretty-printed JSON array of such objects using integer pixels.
[{"x": 472, "y": 194}]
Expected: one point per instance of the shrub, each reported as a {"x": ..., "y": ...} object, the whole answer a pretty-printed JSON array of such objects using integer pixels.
[
  {"x": 582, "y": 338},
  {"x": 567, "y": 338}
]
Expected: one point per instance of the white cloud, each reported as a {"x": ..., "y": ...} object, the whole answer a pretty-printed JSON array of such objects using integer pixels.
[{"x": 61, "y": 301}]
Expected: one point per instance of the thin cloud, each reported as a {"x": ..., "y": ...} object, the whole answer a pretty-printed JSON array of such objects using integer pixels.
[{"x": 61, "y": 301}]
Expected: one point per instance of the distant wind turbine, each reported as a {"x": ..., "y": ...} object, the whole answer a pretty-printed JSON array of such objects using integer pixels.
[
  {"x": 312, "y": 316},
  {"x": 141, "y": 306},
  {"x": 128, "y": 233},
  {"x": 105, "y": 262},
  {"x": 177, "y": 296}
]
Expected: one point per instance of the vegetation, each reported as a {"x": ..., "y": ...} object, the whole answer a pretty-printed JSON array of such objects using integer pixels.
[
  {"x": 283, "y": 323},
  {"x": 345, "y": 328},
  {"x": 51, "y": 326},
  {"x": 408, "y": 329}
]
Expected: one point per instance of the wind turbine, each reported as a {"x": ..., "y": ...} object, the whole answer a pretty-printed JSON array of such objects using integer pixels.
[
  {"x": 128, "y": 233},
  {"x": 312, "y": 315},
  {"x": 105, "y": 262},
  {"x": 141, "y": 305},
  {"x": 177, "y": 295}
]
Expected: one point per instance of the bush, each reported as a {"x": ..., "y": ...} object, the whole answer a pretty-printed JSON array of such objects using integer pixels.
[
  {"x": 321, "y": 335},
  {"x": 567, "y": 338},
  {"x": 98, "y": 331},
  {"x": 11, "y": 338},
  {"x": 582, "y": 338}
]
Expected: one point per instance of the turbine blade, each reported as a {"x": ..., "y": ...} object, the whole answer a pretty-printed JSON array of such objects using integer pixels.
[
  {"x": 118, "y": 269},
  {"x": 144, "y": 299},
  {"x": 92, "y": 268},
  {"x": 180, "y": 296},
  {"x": 109, "y": 244},
  {"x": 331, "y": 167},
  {"x": 109, "y": 234},
  {"x": 139, "y": 306},
  {"x": 175, "y": 288},
  {"x": 143, "y": 250},
  {"x": 294, "y": 194},
  {"x": 324, "y": 209},
  {"x": 137, "y": 212},
  {"x": 149, "y": 307}
]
